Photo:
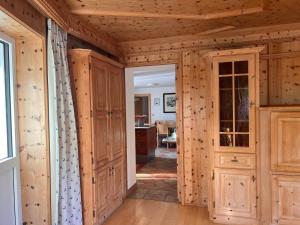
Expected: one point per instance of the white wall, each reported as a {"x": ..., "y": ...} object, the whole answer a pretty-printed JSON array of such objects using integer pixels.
[
  {"x": 157, "y": 112},
  {"x": 130, "y": 128}
]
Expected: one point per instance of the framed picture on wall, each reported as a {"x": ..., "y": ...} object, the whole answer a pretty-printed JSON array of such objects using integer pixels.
[
  {"x": 157, "y": 101},
  {"x": 169, "y": 102}
]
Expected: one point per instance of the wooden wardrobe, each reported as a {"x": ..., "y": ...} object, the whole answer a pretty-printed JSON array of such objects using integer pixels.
[{"x": 98, "y": 86}]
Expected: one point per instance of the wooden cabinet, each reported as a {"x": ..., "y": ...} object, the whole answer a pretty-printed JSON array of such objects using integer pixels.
[
  {"x": 233, "y": 198},
  {"x": 145, "y": 143},
  {"x": 98, "y": 85},
  {"x": 285, "y": 165},
  {"x": 236, "y": 193}
]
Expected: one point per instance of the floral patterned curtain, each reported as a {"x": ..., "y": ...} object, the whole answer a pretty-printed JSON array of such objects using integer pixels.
[{"x": 67, "y": 175}]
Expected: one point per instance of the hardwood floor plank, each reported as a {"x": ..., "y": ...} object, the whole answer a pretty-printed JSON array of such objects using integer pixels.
[{"x": 148, "y": 212}]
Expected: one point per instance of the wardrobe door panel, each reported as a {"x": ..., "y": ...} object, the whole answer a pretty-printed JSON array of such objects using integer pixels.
[
  {"x": 99, "y": 113},
  {"x": 101, "y": 152},
  {"x": 235, "y": 193},
  {"x": 117, "y": 135},
  {"x": 285, "y": 141},
  {"x": 100, "y": 85},
  {"x": 117, "y": 179},
  {"x": 102, "y": 201},
  {"x": 286, "y": 200},
  {"x": 116, "y": 88}
]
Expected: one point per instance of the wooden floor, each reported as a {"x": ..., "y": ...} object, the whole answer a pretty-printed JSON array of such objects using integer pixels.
[{"x": 148, "y": 212}]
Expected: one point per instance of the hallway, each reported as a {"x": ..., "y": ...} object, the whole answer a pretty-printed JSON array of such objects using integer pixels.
[
  {"x": 157, "y": 180},
  {"x": 146, "y": 212}
]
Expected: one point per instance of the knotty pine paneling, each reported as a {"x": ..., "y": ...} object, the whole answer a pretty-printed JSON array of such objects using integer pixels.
[
  {"x": 194, "y": 124},
  {"x": 33, "y": 131},
  {"x": 279, "y": 79},
  {"x": 284, "y": 81}
]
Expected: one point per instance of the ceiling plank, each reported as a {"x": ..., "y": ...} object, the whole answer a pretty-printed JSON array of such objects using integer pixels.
[
  {"x": 275, "y": 32},
  {"x": 60, "y": 13},
  {"x": 227, "y": 13}
]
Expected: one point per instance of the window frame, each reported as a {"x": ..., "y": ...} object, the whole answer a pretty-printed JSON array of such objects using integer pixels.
[
  {"x": 8, "y": 100},
  {"x": 13, "y": 159}
]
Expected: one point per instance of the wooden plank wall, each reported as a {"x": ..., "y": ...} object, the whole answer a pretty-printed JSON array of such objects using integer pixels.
[
  {"x": 33, "y": 131},
  {"x": 27, "y": 26},
  {"x": 194, "y": 125},
  {"x": 279, "y": 85}
]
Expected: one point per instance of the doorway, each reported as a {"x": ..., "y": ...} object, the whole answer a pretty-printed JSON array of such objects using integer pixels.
[{"x": 151, "y": 132}]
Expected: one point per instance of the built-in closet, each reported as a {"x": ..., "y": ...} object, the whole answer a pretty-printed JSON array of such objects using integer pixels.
[
  {"x": 98, "y": 86},
  {"x": 254, "y": 149}
]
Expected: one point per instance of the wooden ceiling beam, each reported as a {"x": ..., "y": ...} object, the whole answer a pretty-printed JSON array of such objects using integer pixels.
[
  {"x": 25, "y": 14},
  {"x": 61, "y": 14},
  {"x": 228, "y": 13},
  {"x": 275, "y": 32}
]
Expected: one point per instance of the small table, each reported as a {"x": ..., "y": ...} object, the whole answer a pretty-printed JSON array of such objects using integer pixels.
[{"x": 169, "y": 140}]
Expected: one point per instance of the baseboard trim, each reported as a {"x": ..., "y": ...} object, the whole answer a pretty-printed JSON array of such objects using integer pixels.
[{"x": 132, "y": 189}]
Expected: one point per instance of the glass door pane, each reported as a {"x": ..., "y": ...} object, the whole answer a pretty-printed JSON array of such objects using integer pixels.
[
  {"x": 234, "y": 103},
  {"x": 3, "y": 109}
]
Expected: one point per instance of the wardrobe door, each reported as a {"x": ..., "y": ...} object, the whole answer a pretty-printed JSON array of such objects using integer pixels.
[
  {"x": 117, "y": 111},
  {"x": 285, "y": 141},
  {"x": 99, "y": 113},
  {"x": 102, "y": 191},
  {"x": 286, "y": 200},
  {"x": 235, "y": 193},
  {"x": 117, "y": 180}
]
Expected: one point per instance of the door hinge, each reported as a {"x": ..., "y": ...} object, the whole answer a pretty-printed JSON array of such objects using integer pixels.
[
  {"x": 213, "y": 175},
  {"x": 253, "y": 178},
  {"x": 93, "y": 180},
  {"x": 91, "y": 113},
  {"x": 213, "y": 142},
  {"x": 92, "y": 160},
  {"x": 94, "y": 213},
  {"x": 214, "y": 204},
  {"x": 212, "y": 104}
]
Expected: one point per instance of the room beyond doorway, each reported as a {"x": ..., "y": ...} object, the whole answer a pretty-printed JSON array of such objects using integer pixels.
[{"x": 151, "y": 132}]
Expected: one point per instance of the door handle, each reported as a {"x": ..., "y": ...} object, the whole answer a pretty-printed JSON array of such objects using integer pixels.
[{"x": 234, "y": 160}]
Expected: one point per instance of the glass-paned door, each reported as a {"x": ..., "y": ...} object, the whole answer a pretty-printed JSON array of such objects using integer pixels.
[{"x": 233, "y": 81}]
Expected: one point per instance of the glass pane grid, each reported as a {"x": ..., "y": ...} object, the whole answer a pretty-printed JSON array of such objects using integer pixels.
[{"x": 234, "y": 116}]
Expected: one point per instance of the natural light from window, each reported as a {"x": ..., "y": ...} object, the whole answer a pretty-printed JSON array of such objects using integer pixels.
[{"x": 3, "y": 120}]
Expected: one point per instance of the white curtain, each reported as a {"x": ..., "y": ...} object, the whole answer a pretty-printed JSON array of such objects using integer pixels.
[{"x": 65, "y": 175}]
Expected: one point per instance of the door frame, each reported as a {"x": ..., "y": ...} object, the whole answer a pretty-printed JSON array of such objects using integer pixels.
[{"x": 179, "y": 122}]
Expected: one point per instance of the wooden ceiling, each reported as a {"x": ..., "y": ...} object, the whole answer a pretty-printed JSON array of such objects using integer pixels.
[{"x": 131, "y": 20}]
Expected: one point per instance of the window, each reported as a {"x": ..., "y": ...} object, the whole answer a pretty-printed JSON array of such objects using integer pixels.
[
  {"x": 10, "y": 192},
  {"x": 5, "y": 102}
]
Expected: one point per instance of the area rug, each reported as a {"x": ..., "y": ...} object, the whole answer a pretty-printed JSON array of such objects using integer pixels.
[{"x": 170, "y": 153}]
